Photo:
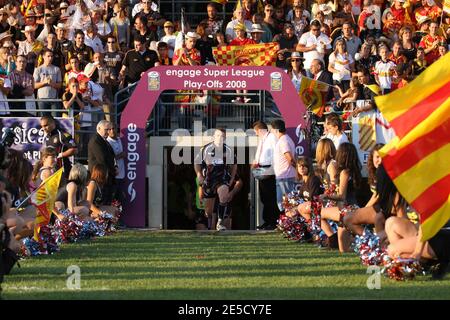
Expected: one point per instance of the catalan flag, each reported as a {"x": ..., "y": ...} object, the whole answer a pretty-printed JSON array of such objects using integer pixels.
[
  {"x": 312, "y": 93},
  {"x": 417, "y": 159},
  {"x": 43, "y": 198}
]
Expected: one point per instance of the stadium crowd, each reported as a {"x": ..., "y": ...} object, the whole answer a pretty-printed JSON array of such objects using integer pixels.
[{"x": 84, "y": 51}]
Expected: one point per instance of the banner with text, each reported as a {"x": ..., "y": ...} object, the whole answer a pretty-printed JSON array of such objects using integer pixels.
[{"x": 29, "y": 135}]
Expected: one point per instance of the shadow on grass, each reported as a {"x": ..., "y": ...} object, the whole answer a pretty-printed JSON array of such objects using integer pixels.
[{"x": 250, "y": 293}]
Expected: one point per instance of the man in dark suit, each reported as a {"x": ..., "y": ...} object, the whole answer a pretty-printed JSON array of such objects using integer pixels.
[
  {"x": 100, "y": 152},
  {"x": 322, "y": 75}
]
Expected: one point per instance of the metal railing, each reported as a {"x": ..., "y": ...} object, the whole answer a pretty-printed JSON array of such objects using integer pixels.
[{"x": 195, "y": 10}]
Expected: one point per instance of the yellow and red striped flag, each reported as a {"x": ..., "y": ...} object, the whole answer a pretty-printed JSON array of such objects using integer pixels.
[
  {"x": 417, "y": 159},
  {"x": 43, "y": 198}
]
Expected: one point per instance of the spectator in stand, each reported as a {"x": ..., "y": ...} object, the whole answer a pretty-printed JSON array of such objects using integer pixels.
[
  {"x": 345, "y": 15},
  {"x": 214, "y": 22},
  {"x": 154, "y": 19},
  {"x": 364, "y": 92},
  {"x": 187, "y": 55},
  {"x": 73, "y": 100},
  {"x": 280, "y": 19},
  {"x": 326, "y": 8},
  {"x": 299, "y": 21},
  {"x": 341, "y": 65},
  {"x": 92, "y": 39},
  {"x": 295, "y": 70},
  {"x": 51, "y": 44},
  {"x": 257, "y": 33},
  {"x": 75, "y": 70},
  {"x": 319, "y": 74},
  {"x": 141, "y": 30},
  {"x": 163, "y": 54},
  {"x": 314, "y": 45},
  {"x": 239, "y": 18},
  {"x": 267, "y": 35},
  {"x": 62, "y": 141},
  {"x": 100, "y": 75},
  {"x": 15, "y": 18},
  {"x": 396, "y": 56},
  {"x": 63, "y": 45},
  {"x": 352, "y": 42},
  {"x": 298, "y": 3},
  {"x": 80, "y": 50},
  {"x": 431, "y": 42},
  {"x": 47, "y": 82},
  {"x": 113, "y": 59},
  {"x": 101, "y": 153},
  {"x": 443, "y": 49},
  {"x": 120, "y": 25},
  {"x": 247, "y": 5},
  {"x": 6, "y": 26},
  {"x": 137, "y": 61},
  {"x": 365, "y": 60},
  {"x": 287, "y": 41},
  {"x": 283, "y": 162},
  {"x": 169, "y": 38},
  {"x": 408, "y": 47},
  {"x": 424, "y": 25},
  {"x": 22, "y": 87},
  {"x": 384, "y": 71},
  {"x": 420, "y": 63},
  {"x": 103, "y": 27},
  {"x": 204, "y": 44},
  {"x": 263, "y": 160},
  {"x": 30, "y": 48},
  {"x": 269, "y": 19}
]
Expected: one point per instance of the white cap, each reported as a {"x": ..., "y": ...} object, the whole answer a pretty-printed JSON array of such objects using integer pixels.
[{"x": 191, "y": 34}]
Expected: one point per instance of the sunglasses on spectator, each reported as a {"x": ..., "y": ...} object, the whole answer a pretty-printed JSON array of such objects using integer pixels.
[
  {"x": 111, "y": 42},
  {"x": 314, "y": 29},
  {"x": 295, "y": 60}
]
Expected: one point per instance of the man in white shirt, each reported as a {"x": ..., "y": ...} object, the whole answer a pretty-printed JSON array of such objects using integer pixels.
[
  {"x": 263, "y": 162},
  {"x": 314, "y": 45}
]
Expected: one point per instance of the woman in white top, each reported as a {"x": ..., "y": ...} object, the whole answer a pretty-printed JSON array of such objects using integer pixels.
[{"x": 341, "y": 65}]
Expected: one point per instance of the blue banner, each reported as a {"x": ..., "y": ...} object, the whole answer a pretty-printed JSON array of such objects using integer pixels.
[{"x": 29, "y": 135}]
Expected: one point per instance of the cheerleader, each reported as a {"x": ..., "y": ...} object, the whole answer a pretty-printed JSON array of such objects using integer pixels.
[
  {"x": 354, "y": 220},
  {"x": 349, "y": 173}
]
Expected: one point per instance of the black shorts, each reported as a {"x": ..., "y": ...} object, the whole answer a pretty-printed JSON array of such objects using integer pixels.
[
  {"x": 210, "y": 189},
  {"x": 440, "y": 244}
]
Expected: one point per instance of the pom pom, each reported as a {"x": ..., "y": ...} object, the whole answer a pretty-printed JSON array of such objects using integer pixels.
[
  {"x": 368, "y": 248},
  {"x": 292, "y": 228},
  {"x": 401, "y": 269}
]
